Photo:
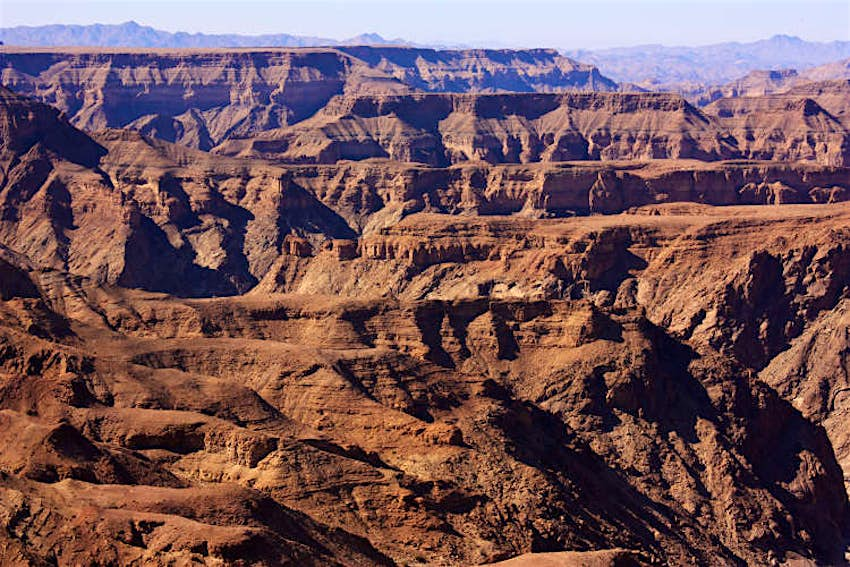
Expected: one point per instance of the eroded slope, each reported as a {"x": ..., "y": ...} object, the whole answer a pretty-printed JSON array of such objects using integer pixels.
[{"x": 414, "y": 364}]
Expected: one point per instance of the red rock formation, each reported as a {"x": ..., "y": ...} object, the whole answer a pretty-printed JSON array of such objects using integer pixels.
[
  {"x": 784, "y": 127},
  {"x": 216, "y": 225},
  {"x": 444, "y": 129},
  {"x": 440, "y": 129},
  {"x": 326, "y": 105},
  {"x": 201, "y": 97},
  {"x": 194, "y": 97},
  {"x": 482, "y": 70},
  {"x": 414, "y": 364}
]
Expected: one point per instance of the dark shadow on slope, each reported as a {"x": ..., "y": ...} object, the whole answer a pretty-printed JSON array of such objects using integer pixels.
[
  {"x": 151, "y": 263},
  {"x": 303, "y": 213}
]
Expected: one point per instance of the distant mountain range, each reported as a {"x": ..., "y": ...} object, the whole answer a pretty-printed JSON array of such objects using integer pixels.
[
  {"x": 132, "y": 34},
  {"x": 657, "y": 66}
]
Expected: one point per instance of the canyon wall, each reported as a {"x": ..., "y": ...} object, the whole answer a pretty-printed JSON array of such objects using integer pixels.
[
  {"x": 323, "y": 105},
  {"x": 521, "y": 128},
  {"x": 221, "y": 222},
  {"x": 202, "y": 97},
  {"x": 482, "y": 327}
]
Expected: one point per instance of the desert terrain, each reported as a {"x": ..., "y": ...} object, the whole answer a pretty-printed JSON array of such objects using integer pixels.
[{"x": 396, "y": 306}]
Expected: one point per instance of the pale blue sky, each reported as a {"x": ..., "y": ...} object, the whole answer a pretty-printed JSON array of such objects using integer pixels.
[{"x": 534, "y": 23}]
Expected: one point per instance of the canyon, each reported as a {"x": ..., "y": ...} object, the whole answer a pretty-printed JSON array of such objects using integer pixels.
[
  {"x": 203, "y": 97},
  {"x": 323, "y": 105},
  {"x": 388, "y": 306}
]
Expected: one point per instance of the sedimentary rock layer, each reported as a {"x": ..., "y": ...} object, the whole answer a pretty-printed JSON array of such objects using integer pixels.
[
  {"x": 521, "y": 128},
  {"x": 215, "y": 225},
  {"x": 209, "y": 359},
  {"x": 476, "y": 389},
  {"x": 202, "y": 97}
]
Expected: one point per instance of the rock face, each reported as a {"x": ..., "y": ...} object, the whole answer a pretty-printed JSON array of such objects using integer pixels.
[
  {"x": 520, "y": 128},
  {"x": 29, "y": 130},
  {"x": 483, "y": 70},
  {"x": 784, "y": 127},
  {"x": 444, "y": 129},
  {"x": 754, "y": 83},
  {"x": 323, "y": 105},
  {"x": 832, "y": 95},
  {"x": 196, "y": 98},
  {"x": 203, "y": 97},
  {"x": 219, "y": 360},
  {"x": 215, "y": 225},
  {"x": 512, "y": 394},
  {"x": 604, "y": 558}
]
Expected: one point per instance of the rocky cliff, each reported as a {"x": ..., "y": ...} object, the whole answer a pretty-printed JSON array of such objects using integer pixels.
[
  {"x": 196, "y": 98},
  {"x": 323, "y": 105},
  {"x": 476, "y": 389},
  {"x": 443, "y": 129},
  {"x": 784, "y": 127},
  {"x": 219, "y": 359},
  {"x": 832, "y": 95},
  {"x": 215, "y": 225},
  {"x": 483, "y": 70},
  {"x": 202, "y": 97}
]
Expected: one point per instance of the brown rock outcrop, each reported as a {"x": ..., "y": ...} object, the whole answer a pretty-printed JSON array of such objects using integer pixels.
[
  {"x": 438, "y": 129},
  {"x": 784, "y": 127},
  {"x": 578, "y": 361},
  {"x": 444, "y": 423},
  {"x": 216, "y": 225},
  {"x": 482, "y": 70},
  {"x": 194, "y": 97},
  {"x": 754, "y": 83},
  {"x": 325, "y": 105},
  {"x": 612, "y": 558},
  {"x": 201, "y": 97},
  {"x": 833, "y": 96}
]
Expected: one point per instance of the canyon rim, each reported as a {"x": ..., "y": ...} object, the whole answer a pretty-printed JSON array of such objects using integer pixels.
[{"x": 286, "y": 300}]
